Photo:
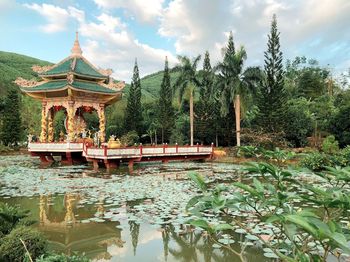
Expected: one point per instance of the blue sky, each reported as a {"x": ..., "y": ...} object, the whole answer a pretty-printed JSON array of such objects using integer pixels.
[{"x": 114, "y": 32}]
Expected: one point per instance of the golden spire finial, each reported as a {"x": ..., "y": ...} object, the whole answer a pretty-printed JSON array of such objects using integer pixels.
[{"x": 76, "y": 50}]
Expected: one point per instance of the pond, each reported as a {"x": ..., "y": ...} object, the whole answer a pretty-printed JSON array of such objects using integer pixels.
[{"x": 116, "y": 216}]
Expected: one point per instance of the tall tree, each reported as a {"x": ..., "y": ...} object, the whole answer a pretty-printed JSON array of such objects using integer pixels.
[
  {"x": 188, "y": 80},
  {"x": 166, "y": 111},
  {"x": 11, "y": 127},
  {"x": 205, "y": 108},
  {"x": 236, "y": 84},
  {"x": 272, "y": 94},
  {"x": 133, "y": 111}
]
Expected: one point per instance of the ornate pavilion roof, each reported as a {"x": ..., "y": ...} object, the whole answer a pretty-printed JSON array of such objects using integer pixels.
[
  {"x": 74, "y": 73},
  {"x": 77, "y": 65},
  {"x": 60, "y": 85}
]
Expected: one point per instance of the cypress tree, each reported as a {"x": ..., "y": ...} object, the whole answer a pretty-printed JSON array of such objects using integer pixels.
[
  {"x": 205, "y": 109},
  {"x": 11, "y": 119},
  {"x": 230, "y": 48},
  {"x": 272, "y": 94},
  {"x": 208, "y": 78},
  {"x": 133, "y": 111},
  {"x": 165, "y": 108}
]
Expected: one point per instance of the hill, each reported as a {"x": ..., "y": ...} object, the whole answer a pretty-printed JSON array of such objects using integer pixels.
[{"x": 13, "y": 65}]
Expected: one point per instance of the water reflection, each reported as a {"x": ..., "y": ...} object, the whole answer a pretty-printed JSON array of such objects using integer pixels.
[
  {"x": 117, "y": 217},
  {"x": 60, "y": 218},
  {"x": 73, "y": 227}
]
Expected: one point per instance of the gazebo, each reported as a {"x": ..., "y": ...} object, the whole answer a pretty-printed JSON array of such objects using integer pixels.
[{"x": 77, "y": 86}]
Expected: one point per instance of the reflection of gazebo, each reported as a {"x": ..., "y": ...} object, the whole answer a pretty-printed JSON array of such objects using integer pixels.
[
  {"x": 66, "y": 233},
  {"x": 75, "y": 85}
]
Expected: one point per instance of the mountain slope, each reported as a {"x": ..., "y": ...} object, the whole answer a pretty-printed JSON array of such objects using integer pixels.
[{"x": 13, "y": 65}]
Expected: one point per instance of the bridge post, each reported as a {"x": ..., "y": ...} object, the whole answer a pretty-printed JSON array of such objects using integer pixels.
[
  {"x": 95, "y": 164},
  {"x": 131, "y": 166},
  {"x": 212, "y": 151},
  {"x": 105, "y": 150},
  {"x": 43, "y": 159},
  {"x": 197, "y": 148},
  {"x": 67, "y": 158},
  {"x": 177, "y": 148}
]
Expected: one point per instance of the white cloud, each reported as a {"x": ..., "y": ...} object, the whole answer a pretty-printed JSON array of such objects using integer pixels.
[
  {"x": 197, "y": 25},
  {"x": 110, "y": 44},
  {"x": 146, "y": 11},
  {"x": 56, "y": 17},
  {"x": 108, "y": 41},
  {"x": 200, "y": 25}
]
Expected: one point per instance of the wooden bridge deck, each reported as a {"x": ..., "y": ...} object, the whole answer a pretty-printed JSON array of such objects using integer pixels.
[{"x": 113, "y": 157}]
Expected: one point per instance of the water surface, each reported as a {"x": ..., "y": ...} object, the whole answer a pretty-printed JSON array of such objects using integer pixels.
[{"x": 116, "y": 216}]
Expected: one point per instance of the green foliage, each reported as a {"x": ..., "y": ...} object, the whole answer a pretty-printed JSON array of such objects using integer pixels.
[
  {"x": 303, "y": 234},
  {"x": 58, "y": 124},
  {"x": 180, "y": 132},
  {"x": 272, "y": 98},
  {"x": 11, "y": 126},
  {"x": 276, "y": 155},
  {"x": 133, "y": 111},
  {"x": 165, "y": 108},
  {"x": 206, "y": 111},
  {"x": 62, "y": 258},
  {"x": 10, "y": 217},
  {"x": 315, "y": 161},
  {"x": 340, "y": 125},
  {"x": 299, "y": 122},
  {"x": 14, "y": 65},
  {"x": 130, "y": 139},
  {"x": 5, "y": 149},
  {"x": 12, "y": 249},
  {"x": 330, "y": 145}
]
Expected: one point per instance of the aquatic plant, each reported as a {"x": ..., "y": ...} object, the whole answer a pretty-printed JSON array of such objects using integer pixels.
[{"x": 270, "y": 212}]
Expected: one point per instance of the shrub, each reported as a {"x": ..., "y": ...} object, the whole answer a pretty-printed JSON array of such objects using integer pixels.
[
  {"x": 315, "y": 161},
  {"x": 12, "y": 249},
  {"x": 10, "y": 217},
  {"x": 337, "y": 160},
  {"x": 345, "y": 152},
  {"x": 130, "y": 138},
  {"x": 330, "y": 145},
  {"x": 62, "y": 258},
  {"x": 339, "y": 125}
]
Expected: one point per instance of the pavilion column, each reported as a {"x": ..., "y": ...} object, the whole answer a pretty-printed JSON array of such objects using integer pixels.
[
  {"x": 43, "y": 134},
  {"x": 70, "y": 121},
  {"x": 102, "y": 123},
  {"x": 50, "y": 130}
]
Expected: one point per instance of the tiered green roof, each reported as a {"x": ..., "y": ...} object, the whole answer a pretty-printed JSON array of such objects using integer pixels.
[
  {"x": 75, "y": 73},
  {"x": 59, "y": 85},
  {"x": 76, "y": 65}
]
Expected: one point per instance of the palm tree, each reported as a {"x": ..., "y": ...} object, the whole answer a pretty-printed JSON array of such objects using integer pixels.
[
  {"x": 188, "y": 80},
  {"x": 236, "y": 85}
]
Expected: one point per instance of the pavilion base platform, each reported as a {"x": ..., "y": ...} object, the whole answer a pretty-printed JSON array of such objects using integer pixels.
[
  {"x": 67, "y": 153},
  {"x": 77, "y": 153}
]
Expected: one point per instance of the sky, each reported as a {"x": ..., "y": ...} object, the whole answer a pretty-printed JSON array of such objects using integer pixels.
[{"x": 113, "y": 33}]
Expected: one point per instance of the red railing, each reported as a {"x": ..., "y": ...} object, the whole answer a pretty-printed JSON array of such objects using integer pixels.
[{"x": 139, "y": 151}]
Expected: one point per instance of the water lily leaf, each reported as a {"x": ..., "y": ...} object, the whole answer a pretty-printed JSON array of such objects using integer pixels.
[
  {"x": 226, "y": 241},
  {"x": 270, "y": 255},
  {"x": 221, "y": 227}
]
